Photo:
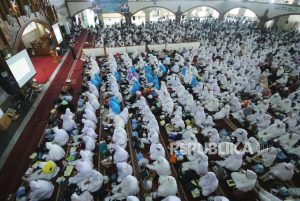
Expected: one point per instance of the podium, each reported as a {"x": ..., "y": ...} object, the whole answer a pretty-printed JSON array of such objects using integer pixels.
[{"x": 54, "y": 56}]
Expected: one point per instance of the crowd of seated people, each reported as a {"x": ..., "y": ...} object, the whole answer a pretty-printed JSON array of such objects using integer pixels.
[
  {"x": 167, "y": 32},
  {"x": 163, "y": 113}
]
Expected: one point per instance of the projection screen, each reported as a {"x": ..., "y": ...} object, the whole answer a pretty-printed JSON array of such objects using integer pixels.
[
  {"x": 21, "y": 67},
  {"x": 57, "y": 33}
]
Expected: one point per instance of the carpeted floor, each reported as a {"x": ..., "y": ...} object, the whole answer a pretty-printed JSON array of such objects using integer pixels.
[
  {"x": 18, "y": 160},
  {"x": 44, "y": 67}
]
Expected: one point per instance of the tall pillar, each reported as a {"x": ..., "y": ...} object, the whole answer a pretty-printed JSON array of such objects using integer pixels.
[
  {"x": 100, "y": 18},
  {"x": 221, "y": 16},
  {"x": 147, "y": 14},
  {"x": 128, "y": 18},
  {"x": 178, "y": 16}
]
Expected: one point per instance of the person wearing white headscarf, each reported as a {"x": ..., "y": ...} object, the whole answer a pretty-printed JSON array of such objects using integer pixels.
[
  {"x": 167, "y": 187},
  {"x": 267, "y": 155},
  {"x": 282, "y": 171},
  {"x": 40, "y": 190},
  {"x": 156, "y": 151},
  {"x": 87, "y": 179},
  {"x": 208, "y": 183},
  {"x": 85, "y": 196},
  {"x": 273, "y": 131},
  {"x": 61, "y": 137},
  {"x": 120, "y": 155},
  {"x": 224, "y": 113},
  {"x": 218, "y": 198},
  {"x": 240, "y": 134},
  {"x": 161, "y": 166},
  {"x": 55, "y": 152},
  {"x": 129, "y": 186},
  {"x": 132, "y": 198},
  {"x": 200, "y": 165},
  {"x": 288, "y": 141},
  {"x": 124, "y": 169},
  {"x": 233, "y": 162},
  {"x": 245, "y": 180},
  {"x": 171, "y": 198}
]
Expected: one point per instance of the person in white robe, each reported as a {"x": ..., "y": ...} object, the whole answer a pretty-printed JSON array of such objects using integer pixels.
[
  {"x": 263, "y": 121},
  {"x": 47, "y": 171},
  {"x": 55, "y": 152},
  {"x": 161, "y": 166},
  {"x": 128, "y": 187},
  {"x": 61, "y": 137},
  {"x": 40, "y": 190},
  {"x": 89, "y": 143},
  {"x": 89, "y": 123},
  {"x": 90, "y": 115},
  {"x": 89, "y": 132},
  {"x": 124, "y": 169},
  {"x": 132, "y": 198},
  {"x": 120, "y": 155},
  {"x": 167, "y": 187},
  {"x": 275, "y": 100},
  {"x": 86, "y": 178},
  {"x": 266, "y": 196},
  {"x": 199, "y": 165},
  {"x": 213, "y": 136},
  {"x": 244, "y": 180},
  {"x": 171, "y": 198},
  {"x": 208, "y": 183},
  {"x": 120, "y": 138},
  {"x": 240, "y": 134},
  {"x": 85, "y": 196},
  {"x": 288, "y": 141},
  {"x": 178, "y": 123},
  {"x": 224, "y": 113},
  {"x": 267, "y": 155},
  {"x": 282, "y": 171},
  {"x": 233, "y": 162},
  {"x": 273, "y": 131},
  {"x": 156, "y": 151}
]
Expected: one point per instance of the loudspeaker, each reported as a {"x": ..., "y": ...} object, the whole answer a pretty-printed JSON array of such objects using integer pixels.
[
  {"x": 133, "y": 17},
  {"x": 9, "y": 85}
]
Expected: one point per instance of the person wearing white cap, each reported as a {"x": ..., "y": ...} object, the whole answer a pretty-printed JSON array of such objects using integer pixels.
[
  {"x": 244, "y": 180},
  {"x": 282, "y": 171},
  {"x": 40, "y": 190},
  {"x": 208, "y": 183}
]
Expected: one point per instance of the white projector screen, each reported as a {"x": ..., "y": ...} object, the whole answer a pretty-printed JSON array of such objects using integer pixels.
[
  {"x": 57, "y": 33},
  {"x": 21, "y": 67}
]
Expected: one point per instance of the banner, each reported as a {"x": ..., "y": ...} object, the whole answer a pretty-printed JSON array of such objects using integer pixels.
[{"x": 111, "y": 6}]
